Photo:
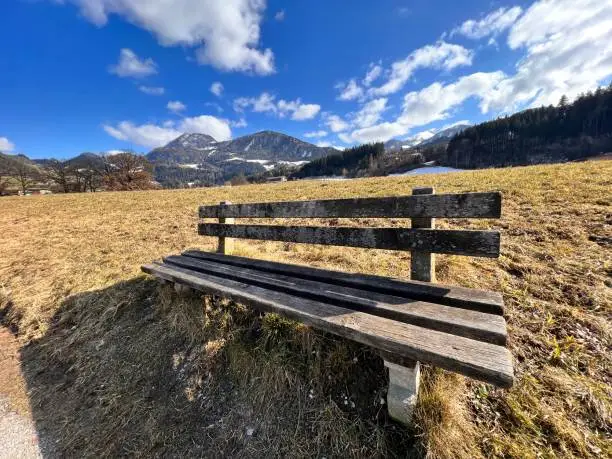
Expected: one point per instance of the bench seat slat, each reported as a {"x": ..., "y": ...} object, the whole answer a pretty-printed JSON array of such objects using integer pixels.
[
  {"x": 463, "y": 205},
  {"x": 457, "y": 242},
  {"x": 487, "y": 362},
  {"x": 461, "y": 322},
  {"x": 461, "y": 297}
]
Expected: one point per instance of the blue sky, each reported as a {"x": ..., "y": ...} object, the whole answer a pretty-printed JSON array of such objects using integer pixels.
[{"x": 100, "y": 75}]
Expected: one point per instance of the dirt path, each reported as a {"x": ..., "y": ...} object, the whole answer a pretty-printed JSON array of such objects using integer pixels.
[{"x": 18, "y": 437}]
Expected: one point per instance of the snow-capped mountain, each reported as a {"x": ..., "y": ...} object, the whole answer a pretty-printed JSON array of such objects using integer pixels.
[
  {"x": 266, "y": 148},
  {"x": 429, "y": 137}
]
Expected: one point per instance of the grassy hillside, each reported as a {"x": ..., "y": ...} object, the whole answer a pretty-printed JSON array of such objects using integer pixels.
[{"x": 114, "y": 364}]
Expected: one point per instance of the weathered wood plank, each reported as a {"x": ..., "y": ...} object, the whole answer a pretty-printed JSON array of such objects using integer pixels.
[
  {"x": 423, "y": 264},
  {"x": 484, "y": 361},
  {"x": 471, "y": 324},
  {"x": 225, "y": 245},
  {"x": 461, "y": 297},
  {"x": 463, "y": 205},
  {"x": 457, "y": 242}
]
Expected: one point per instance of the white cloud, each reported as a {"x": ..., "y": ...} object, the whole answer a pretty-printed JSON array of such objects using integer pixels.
[
  {"x": 152, "y": 90},
  {"x": 371, "y": 112},
  {"x": 350, "y": 91},
  {"x": 240, "y": 123},
  {"x": 442, "y": 55},
  {"x": 346, "y": 138},
  {"x": 374, "y": 72},
  {"x": 335, "y": 123},
  {"x": 456, "y": 123},
  {"x": 568, "y": 45},
  {"x": 266, "y": 102},
  {"x": 302, "y": 112},
  {"x": 152, "y": 135},
  {"x": 436, "y": 101},
  {"x": 176, "y": 106},
  {"x": 216, "y": 88},
  {"x": 6, "y": 144},
  {"x": 214, "y": 105},
  {"x": 280, "y": 15},
  {"x": 377, "y": 133},
  {"x": 329, "y": 145},
  {"x": 263, "y": 103},
  {"x": 225, "y": 33},
  {"x": 315, "y": 134},
  {"x": 130, "y": 65},
  {"x": 433, "y": 103},
  {"x": 492, "y": 24},
  {"x": 206, "y": 124}
]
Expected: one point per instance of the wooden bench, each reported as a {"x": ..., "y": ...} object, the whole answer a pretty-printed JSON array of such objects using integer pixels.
[{"x": 455, "y": 328}]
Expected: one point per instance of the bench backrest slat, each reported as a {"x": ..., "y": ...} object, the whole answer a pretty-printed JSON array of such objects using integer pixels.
[
  {"x": 464, "y": 205},
  {"x": 422, "y": 239},
  {"x": 457, "y": 242}
]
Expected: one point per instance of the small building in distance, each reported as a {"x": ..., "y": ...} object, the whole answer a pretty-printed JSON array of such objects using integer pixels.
[{"x": 280, "y": 178}]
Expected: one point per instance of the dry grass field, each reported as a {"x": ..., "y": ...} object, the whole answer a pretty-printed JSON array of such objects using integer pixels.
[{"x": 113, "y": 364}]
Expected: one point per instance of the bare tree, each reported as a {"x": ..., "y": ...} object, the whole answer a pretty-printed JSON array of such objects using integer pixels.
[
  {"x": 25, "y": 174},
  {"x": 128, "y": 171},
  {"x": 61, "y": 173}
]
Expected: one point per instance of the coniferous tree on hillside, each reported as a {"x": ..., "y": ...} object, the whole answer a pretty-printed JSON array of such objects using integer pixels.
[
  {"x": 547, "y": 134},
  {"x": 351, "y": 161}
]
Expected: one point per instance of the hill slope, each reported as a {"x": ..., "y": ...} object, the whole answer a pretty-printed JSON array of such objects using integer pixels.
[
  {"x": 117, "y": 365},
  {"x": 213, "y": 162}
]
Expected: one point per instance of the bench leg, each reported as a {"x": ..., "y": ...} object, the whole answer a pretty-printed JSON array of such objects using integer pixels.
[
  {"x": 182, "y": 289},
  {"x": 403, "y": 390}
]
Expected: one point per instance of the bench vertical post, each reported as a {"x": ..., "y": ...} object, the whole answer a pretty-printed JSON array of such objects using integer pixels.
[
  {"x": 404, "y": 379},
  {"x": 423, "y": 264},
  {"x": 225, "y": 245}
]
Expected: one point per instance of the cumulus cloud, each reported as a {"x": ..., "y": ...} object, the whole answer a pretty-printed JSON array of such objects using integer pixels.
[
  {"x": 566, "y": 49},
  {"x": 350, "y": 90},
  {"x": 226, "y": 35},
  {"x": 374, "y": 72},
  {"x": 335, "y": 123},
  {"x": 152, "y": 90},
  {"x": 371, "y": 112},
  {"x": 240, "y": 123},
  {"x": 153, "y": 135},
  {"x": 216, "y": 88},
  {"x": 442, "y": 56},
  {"x": 329, "y": 145},
  {"x": 176, "y": 106},
  {"x": 6, "y": 144},
  {"x": 433, "y": 103},
  {"x": 130, "y": 65},
  {"x": 568, "y": 46},
  {"x": 266, "y": 102},
  {"x": 315, "y": 134},
  {"x": 492, "y": 24},
  {"x": 280, "y": 15}
]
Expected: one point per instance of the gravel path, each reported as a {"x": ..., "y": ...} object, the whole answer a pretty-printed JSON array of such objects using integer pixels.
[{"x": 18, "y": 439}]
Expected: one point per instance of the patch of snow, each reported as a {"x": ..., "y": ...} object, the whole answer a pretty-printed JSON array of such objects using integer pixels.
[
  {"x": 429, "y": 170},
  {"x": 259, "y": 161},
  {"x": 293, "y": 163},
  {"x": 190, "y": 166},
  {"x": 249, "y": 145}
]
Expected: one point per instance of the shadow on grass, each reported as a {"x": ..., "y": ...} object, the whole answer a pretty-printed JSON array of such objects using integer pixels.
[{"x": 135, "y": 369}]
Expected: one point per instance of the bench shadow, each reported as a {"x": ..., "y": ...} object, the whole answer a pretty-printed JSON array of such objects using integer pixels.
[
  {"x": 105, "y": 379},
  {"x": 112, "y": 377}
]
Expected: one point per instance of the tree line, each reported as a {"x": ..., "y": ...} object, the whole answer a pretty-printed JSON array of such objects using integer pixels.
[
  {"x": 352, "y": 162},
  {"x": 564, "y": 132},
  {"x": 86, "y": 173}
]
